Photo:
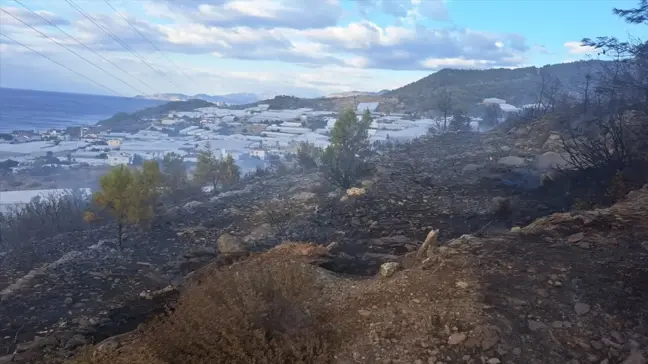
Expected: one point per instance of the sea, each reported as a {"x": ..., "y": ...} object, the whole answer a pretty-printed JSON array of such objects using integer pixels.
[{"x": 42, "y": 110}]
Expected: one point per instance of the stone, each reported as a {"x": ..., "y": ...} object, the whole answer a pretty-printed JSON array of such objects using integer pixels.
[
  {"x": 494, "y": 361},
  {"x": 304, "y": 196},
  {"x": 457, "y": 338},
  {"x": 471, "y": 168},
  {"x": 575, "y": 238},
  {"x": 635, "y": 358},
  {"x": 228, "y": 244},
  {"x": 489, "y": 342},
  {"x": 581, "y": 308},
  {"x": 75, "y": 341},
  {"x": 191, "y": 205},
  {"x": 260, "y": 232},
  {"x": 512, "y": 161},
  {"x": 364, "y": 313},
  {"x": 550, "y": 160},
  {"x": 536, "y": 325},
  {"x": 388, "y": 269}
]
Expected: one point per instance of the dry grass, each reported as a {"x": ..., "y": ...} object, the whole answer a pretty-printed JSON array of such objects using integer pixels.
[{"x": 267, "y": 314}]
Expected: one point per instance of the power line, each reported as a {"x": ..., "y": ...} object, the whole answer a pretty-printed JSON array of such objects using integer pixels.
[
  {"x": 148, "y": 40},
  {"x": 116, "y": 38},
  {"x": 88, "y": 48},
  {"x": 71, "y": 51},
  {"x": 62, "y": 65}
]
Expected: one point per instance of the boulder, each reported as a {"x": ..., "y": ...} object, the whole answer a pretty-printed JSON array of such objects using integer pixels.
[
  {"x": 261, "y": 232},
  {"x": 192, "y": 205},
  {"x": 470, "y": 168},
  {"x": 228, "y": 244},
  {"x": 554, "y": 142},
  {"x": 512, "y": 161},
  {"x": 550, "y": 160},
  {"x": 388, "y": 269}
]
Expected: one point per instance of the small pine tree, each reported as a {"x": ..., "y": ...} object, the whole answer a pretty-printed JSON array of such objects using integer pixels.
[
  {"x": 207, "y": 169},
  {"x": 492, "y": 114},
  {"x": 460, "y": 121},
  {"x": 116, "y": 196},
  {"x": 308, "y": 156},
  {"x": 145, "y": 193},
  {"x": 344, "y": 160},
  {"x": 175, "y": 173},
  {"x": 229, "y": 172}
]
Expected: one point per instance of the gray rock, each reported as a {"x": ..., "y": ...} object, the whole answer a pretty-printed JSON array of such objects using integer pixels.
[
  {"x": 201, "y": 252},
  {"x": 512, "y": 161},
  {"x": 581, "y": 308},
  {"x": 305, "y": 196},
  {"x": 388, "y": 269},
  {"x": 550, "y": 160},
  {"x": 261, "y": 232},
  {"x": 457, "y": 338},
  {"x": 228, "y": 244},
  {"x": 470, "y": 168},
  {"x": 192, "y": 205},
  {"x": 75, "y": 341},
  {"x": 536, "y": 325}
]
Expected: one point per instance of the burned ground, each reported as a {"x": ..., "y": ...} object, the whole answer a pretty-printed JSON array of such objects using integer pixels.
[{"x": 495, "y": 295}]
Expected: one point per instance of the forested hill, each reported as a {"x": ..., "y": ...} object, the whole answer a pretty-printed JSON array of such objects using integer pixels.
[
  {"x": 467, "y": 87},
  {"x": 134, "y": 121},
  {"x": 517, "y": 86}
]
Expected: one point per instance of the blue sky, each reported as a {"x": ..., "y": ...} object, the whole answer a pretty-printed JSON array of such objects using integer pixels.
[{"x": 299, "y": 47}]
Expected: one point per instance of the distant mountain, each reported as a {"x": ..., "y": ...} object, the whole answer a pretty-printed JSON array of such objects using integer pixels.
[
  {"x": 133, "y": 122},
  {"x": 355, "y": 93},
  {"x": 467, "y": 88},
  {"x": 229, "y": 99}
]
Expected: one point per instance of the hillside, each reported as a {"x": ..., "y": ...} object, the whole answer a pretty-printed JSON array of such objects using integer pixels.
[
  {"x": 468, "y": 87},
  {"x": 356, "y": 93},
  {"x": 563, "y": 287},
  {"x": 135, "y": 121},
  {"x": 233, "y": 99}
]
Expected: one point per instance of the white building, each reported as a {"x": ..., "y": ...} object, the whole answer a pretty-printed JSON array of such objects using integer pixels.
[
  {"x": 115, "y": 159},
  {"x": 259, "y": 153},
  {"x": 493, "y": 100},
  {"x": 114, "y": 143},
  {"x": 291, "y": 124}
]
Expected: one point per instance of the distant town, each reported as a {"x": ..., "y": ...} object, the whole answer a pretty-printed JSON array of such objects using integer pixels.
[{"x": 255, "y": 137}]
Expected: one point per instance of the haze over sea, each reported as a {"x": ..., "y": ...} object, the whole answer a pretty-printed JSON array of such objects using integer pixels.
[{"x": 42, "y": 110}]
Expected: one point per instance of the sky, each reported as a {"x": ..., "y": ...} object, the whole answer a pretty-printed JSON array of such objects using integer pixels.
[{"x": 305, "y": 48}]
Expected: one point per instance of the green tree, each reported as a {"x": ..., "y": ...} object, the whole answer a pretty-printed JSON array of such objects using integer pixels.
[
  {"x": 460, "y": 120},
  {"x": 229, "y": 172},
  {"x": 175, "y": 172},
  {"x": 344, "y": 160},
  {"x": 308, "y": 156},
  {"x": 149, "y": 181},
  {"x": 492, "y": 113},
  {"x": 207, "y": 169},
  {"x": 116, "y": 197}
]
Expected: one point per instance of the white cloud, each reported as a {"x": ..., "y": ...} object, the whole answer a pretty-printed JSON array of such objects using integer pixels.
[
  {"x": 29, "y": 17},
  {"x": 437, "y": 63},
  {"x": 306, "y": 34},
  {"x": 578, "y": 48}
]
